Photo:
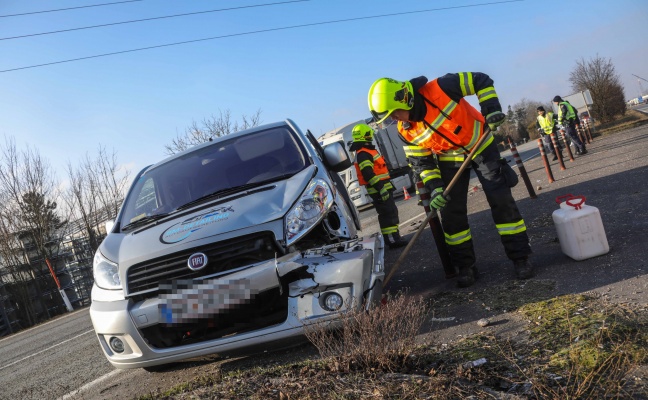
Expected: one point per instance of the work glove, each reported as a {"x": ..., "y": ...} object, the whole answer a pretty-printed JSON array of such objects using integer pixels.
[
  {"x": 435, "y": 187},
  {"x": 495, "y": 119},
  {"x": 437, "y": 199},
  {"x": 384, "y": 193}
]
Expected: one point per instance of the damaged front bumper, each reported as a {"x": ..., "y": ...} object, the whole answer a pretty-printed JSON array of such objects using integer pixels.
[{"x": 165, "y": 328}]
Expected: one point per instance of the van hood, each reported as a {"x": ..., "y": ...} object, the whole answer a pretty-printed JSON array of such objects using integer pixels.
[{"x": 242, "y": 210}]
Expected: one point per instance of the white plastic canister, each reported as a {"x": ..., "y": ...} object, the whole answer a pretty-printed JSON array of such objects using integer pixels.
[{"x": 580, "y": 228}]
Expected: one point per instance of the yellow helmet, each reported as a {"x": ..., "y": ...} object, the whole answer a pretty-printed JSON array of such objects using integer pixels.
[
  {"x": 362, "y": 133},
  {"x": 387, "y": 95}
]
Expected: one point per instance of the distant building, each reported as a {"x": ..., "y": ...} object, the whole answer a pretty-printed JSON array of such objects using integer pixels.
[{"x": 29, "y": 282}]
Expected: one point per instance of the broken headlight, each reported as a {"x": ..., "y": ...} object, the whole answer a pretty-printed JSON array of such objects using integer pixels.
[{"x": 309, "y": 210}]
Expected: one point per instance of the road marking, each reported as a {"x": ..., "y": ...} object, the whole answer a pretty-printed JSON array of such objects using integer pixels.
[
  {"x": 421, "y": 215},
  {"x": 55, "y": 319},
  {"x": 90, "y": 384},
  {"x": 49, "y": 348}
]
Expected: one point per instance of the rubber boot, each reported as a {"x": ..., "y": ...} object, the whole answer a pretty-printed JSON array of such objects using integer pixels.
[
  {"x": 523, "y": 268},
  {"x": 467, "y": 276},
  {"x": 394, "y": 240}
]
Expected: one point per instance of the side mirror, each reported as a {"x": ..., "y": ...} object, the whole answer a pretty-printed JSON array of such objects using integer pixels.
[
  {"x": 336, "y": 157},
  {"x": 109, "y": 225}
]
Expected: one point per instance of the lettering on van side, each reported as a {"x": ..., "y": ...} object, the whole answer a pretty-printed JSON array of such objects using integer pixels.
[{"x": 184, "y": 229}]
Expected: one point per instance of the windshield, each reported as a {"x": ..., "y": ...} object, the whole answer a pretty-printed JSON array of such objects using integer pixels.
[{"x": 242, "y": 161}]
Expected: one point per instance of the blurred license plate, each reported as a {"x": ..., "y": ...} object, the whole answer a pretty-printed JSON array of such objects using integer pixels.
[{"x": 186, "y": 301}]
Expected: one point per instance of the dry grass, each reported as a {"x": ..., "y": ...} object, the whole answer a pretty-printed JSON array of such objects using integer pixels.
[
  {"x": 592, "y": 346},
  {"x": 632, "y": 119},
  {"x": 575, "y": 347}
]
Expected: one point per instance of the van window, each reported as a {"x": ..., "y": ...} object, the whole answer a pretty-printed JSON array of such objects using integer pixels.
[
  {"x": 255, "y": 158},
  {"x": 343, "y": 175},
  {"x": 146, "y": 202}
]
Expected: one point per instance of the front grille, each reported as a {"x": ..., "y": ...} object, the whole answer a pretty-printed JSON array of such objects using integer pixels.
[{"x": 145, "y": 278}]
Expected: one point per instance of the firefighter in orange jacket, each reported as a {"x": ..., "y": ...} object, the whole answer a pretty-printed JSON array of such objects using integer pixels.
[
  {"x": 442, "y": 128},
  {"x": 372, "y": 173}
]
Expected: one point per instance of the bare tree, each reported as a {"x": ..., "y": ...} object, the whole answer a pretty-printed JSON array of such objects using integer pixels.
[
  {"x": 96, "y": 191},
  {"x": 520, "y": 121},
  {"x": 14, "y": 275},
  {"x": 29, "y": 191},
  {"x": 530, "y": 114},
  {"x": 211, "y": 127},
  {"x": 506, "y": 131},
  {"x": 599, "y": 76}
]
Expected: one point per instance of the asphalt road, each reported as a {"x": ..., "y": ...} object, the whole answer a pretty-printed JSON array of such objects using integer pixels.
[
  {"x": 51, "y": 359},
  {"x": 642, "y": 108},
  {"x": 62, "y": 358},
  {"x": 612, "y": 176}
]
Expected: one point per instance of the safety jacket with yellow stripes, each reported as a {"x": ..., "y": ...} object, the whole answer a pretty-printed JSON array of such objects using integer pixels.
[
  {"x": 448, "y": 114},
  {"x": 547, "y": 122},
  {"x": 566, "y": 112},
  {"x": 371, "y": 169},
  {"x": 450, "y": 129}
]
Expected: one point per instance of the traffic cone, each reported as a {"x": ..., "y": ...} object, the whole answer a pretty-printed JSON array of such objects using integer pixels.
[{"x": 407, "y": 195}]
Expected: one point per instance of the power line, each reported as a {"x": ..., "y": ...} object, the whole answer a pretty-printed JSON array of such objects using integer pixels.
[
  {"x": 70, "y": 8},
  {"x": 259, "y": 31},
  {"x": 153, "y": 18},
  {"x": 639, "y": 77}
]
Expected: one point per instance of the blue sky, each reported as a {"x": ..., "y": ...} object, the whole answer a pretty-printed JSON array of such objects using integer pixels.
[{"x": 137, "y": 102}]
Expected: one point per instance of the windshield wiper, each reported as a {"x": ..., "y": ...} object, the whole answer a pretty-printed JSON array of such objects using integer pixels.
[
  {"x": 226, "y": 192},
  {"x": 275, "y": 179},
  {"x": 216, "y": 195},
  {"x": 144, "y": 220}
]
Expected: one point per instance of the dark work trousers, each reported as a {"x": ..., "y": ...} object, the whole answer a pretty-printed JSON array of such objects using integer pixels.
[
  {"x": 454, "y": 216},
  {"x": 570, "y": 130},
  {"x": 387, "y": 210},
  {"x": 548, "y": 144}
]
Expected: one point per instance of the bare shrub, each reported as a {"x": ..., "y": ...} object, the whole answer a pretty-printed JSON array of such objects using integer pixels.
[{"x": 381, "y": 338}]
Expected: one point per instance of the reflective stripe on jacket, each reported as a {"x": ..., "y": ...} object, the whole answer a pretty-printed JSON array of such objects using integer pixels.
[
  {"x": 460, "y": 122},
  {"x": 546, "y": 122},
  {"x": 379, "y": 167},
  {"x": 571, "y": 113}
]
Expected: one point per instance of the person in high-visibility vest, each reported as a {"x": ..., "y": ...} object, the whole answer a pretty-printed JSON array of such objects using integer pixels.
[
  {"x": 373, "y": 174},
  {"x": 441, "y": 128},
  {"x": 546, "y": 124},
  {"x": 568, "y": 118}
]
